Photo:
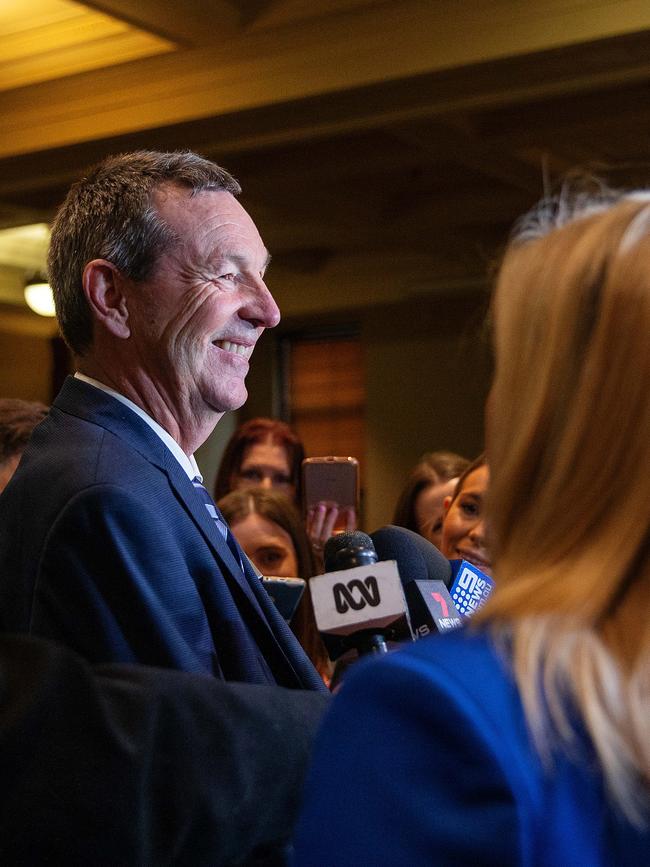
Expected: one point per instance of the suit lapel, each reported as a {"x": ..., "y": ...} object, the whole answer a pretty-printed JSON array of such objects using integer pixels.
[
  {"x": 184, "y": 490},
  {"x": 264, "y": 620},
  {"x": 83, "y": 400}
]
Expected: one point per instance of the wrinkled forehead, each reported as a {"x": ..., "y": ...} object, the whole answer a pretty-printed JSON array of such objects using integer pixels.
[
  {"x": 177, "y": 204},
  {"x": 212, "y": 216}
]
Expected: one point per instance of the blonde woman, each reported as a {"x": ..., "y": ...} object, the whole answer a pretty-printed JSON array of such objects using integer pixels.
[{"x": 526, "y": 739}]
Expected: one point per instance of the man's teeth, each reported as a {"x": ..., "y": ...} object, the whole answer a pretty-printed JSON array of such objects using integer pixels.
[{"x": 237, "y": 348}]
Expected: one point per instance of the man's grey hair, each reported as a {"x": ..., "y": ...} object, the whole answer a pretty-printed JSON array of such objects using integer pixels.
[{"x": 109, "y": 214}]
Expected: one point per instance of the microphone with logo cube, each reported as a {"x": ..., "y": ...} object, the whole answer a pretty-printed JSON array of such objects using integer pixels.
[{"x": 358, "y": 603}]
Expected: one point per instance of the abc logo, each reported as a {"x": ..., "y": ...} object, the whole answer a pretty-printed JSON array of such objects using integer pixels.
[{"x": 356, "y": 594}]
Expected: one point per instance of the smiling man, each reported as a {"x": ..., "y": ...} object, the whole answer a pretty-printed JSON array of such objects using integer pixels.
[{"x": 108, "y": 542}]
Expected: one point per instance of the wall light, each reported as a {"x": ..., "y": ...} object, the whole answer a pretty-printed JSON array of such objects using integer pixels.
[{"x": 38, "y": 296}]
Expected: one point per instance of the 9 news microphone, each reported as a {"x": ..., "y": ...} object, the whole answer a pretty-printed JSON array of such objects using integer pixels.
[
  {"x": 358, "y": 603},
  {"x": 426, "y": 576},
  {"x": 469, "y": 587}
]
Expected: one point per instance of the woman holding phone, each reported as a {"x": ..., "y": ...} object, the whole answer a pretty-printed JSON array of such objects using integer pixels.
[
  {"x": 266, "y": 453},
  {"x": 525, "y": 738}
]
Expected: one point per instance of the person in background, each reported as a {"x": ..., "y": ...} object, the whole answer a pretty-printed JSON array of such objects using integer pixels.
[
  {"x": 463, "y": 526},
  {"x": 268, "y": 528},
  {"x": 18, "y": 418},
  {"x": 261, "y": 453},
  {"x": 266, "y": 453},
  {"x": 524, "y": 739},
  {"x": 420, "y": 505}
]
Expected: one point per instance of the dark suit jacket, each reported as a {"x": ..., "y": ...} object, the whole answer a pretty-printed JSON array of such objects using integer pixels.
[
  {"x": 142, "y": 767},
  {"x": 425, "y": 758},
  {"x": 106, "y": 546}
]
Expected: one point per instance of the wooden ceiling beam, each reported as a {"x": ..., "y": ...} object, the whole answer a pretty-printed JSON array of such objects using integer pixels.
[
  {"x": 194, "y": 23},
  {"x": 486, "y": 94},
  {"x": 19, "y": 215},
  {"x": 309, "y": 58}
]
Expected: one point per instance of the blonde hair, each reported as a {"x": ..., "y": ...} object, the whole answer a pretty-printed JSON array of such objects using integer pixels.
[{"x": 569, "y": 500}]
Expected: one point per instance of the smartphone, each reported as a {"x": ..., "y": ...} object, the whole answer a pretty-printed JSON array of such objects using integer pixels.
[
  {"x": 286, "y": 593},
  {"x": 333, "y": 481}
]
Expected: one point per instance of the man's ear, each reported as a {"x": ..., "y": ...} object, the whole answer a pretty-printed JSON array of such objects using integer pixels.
[{"x": 103, "y": 286}]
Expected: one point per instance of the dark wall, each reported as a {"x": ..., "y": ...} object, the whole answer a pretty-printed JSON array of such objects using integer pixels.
[{"x": 428, "y": 371}]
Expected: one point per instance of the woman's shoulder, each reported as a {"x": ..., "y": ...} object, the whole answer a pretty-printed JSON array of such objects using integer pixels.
[
  {"x": 460, "y": 680},
  {"x": 457, "y": 691},
  {"x": 416, "y": 763},
  {"x": 473, "y": 645},
  {"x": 470, "y": 664}
]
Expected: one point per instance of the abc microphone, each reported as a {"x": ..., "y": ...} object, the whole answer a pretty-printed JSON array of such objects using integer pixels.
[
  {"x": 358, "y": 603},
  {"x": 426, "y": 576}
]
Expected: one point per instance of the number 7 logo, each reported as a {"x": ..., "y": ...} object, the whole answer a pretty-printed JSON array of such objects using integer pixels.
[{"x": 441, "y": 602}]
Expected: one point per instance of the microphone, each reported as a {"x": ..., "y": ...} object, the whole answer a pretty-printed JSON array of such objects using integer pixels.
[
  {"x": 348, "y": 550},
  {"x": 417, "y": 558},
  {"x": 426, "y": 576},
  {"x": 470, "y": 588},
  {"x": 359, "y": 602}
]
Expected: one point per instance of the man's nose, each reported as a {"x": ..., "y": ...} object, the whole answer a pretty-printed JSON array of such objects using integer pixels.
[
  {"x": 261, "y": 308},
  {"x": 266, "y": 482}
]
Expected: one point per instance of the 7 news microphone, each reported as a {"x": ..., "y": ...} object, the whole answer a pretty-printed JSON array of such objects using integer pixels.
[{"x": 425, "y": 576}]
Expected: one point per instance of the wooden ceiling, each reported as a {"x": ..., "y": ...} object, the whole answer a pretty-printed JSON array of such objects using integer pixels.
[{"x": 384, "y": 148}]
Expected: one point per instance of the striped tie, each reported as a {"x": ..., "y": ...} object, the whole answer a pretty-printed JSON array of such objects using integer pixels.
[{"x": 217, "y": 517}]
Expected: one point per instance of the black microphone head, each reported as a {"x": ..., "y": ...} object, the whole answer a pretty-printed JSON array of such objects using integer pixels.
[
  {"x": 417, "y": 558},
  {"x": 347, "y": 550}
]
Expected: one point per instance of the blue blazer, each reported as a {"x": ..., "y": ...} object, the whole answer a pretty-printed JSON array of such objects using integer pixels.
[
  {"x": 106, "y": 546},
  {"x": 424, "y": 758}
]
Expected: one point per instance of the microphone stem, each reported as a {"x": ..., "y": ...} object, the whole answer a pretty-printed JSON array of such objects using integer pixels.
[{"x": 372, "y": 644}]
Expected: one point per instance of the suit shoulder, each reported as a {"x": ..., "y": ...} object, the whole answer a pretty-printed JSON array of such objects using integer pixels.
[{"x": 83, "y": 452}]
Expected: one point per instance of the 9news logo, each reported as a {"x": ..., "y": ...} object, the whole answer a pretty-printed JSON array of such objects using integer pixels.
[
  {"x": 367, "y": 594},
  {"x": 470, "y": 591}
]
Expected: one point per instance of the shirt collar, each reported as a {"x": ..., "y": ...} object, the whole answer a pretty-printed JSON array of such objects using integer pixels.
[{"x": 188, "y": 463}]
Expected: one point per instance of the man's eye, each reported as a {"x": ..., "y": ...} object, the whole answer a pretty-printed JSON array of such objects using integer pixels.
[
  {"x": 251, "y": 475},
  {"x": 230, "y": 277}
]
